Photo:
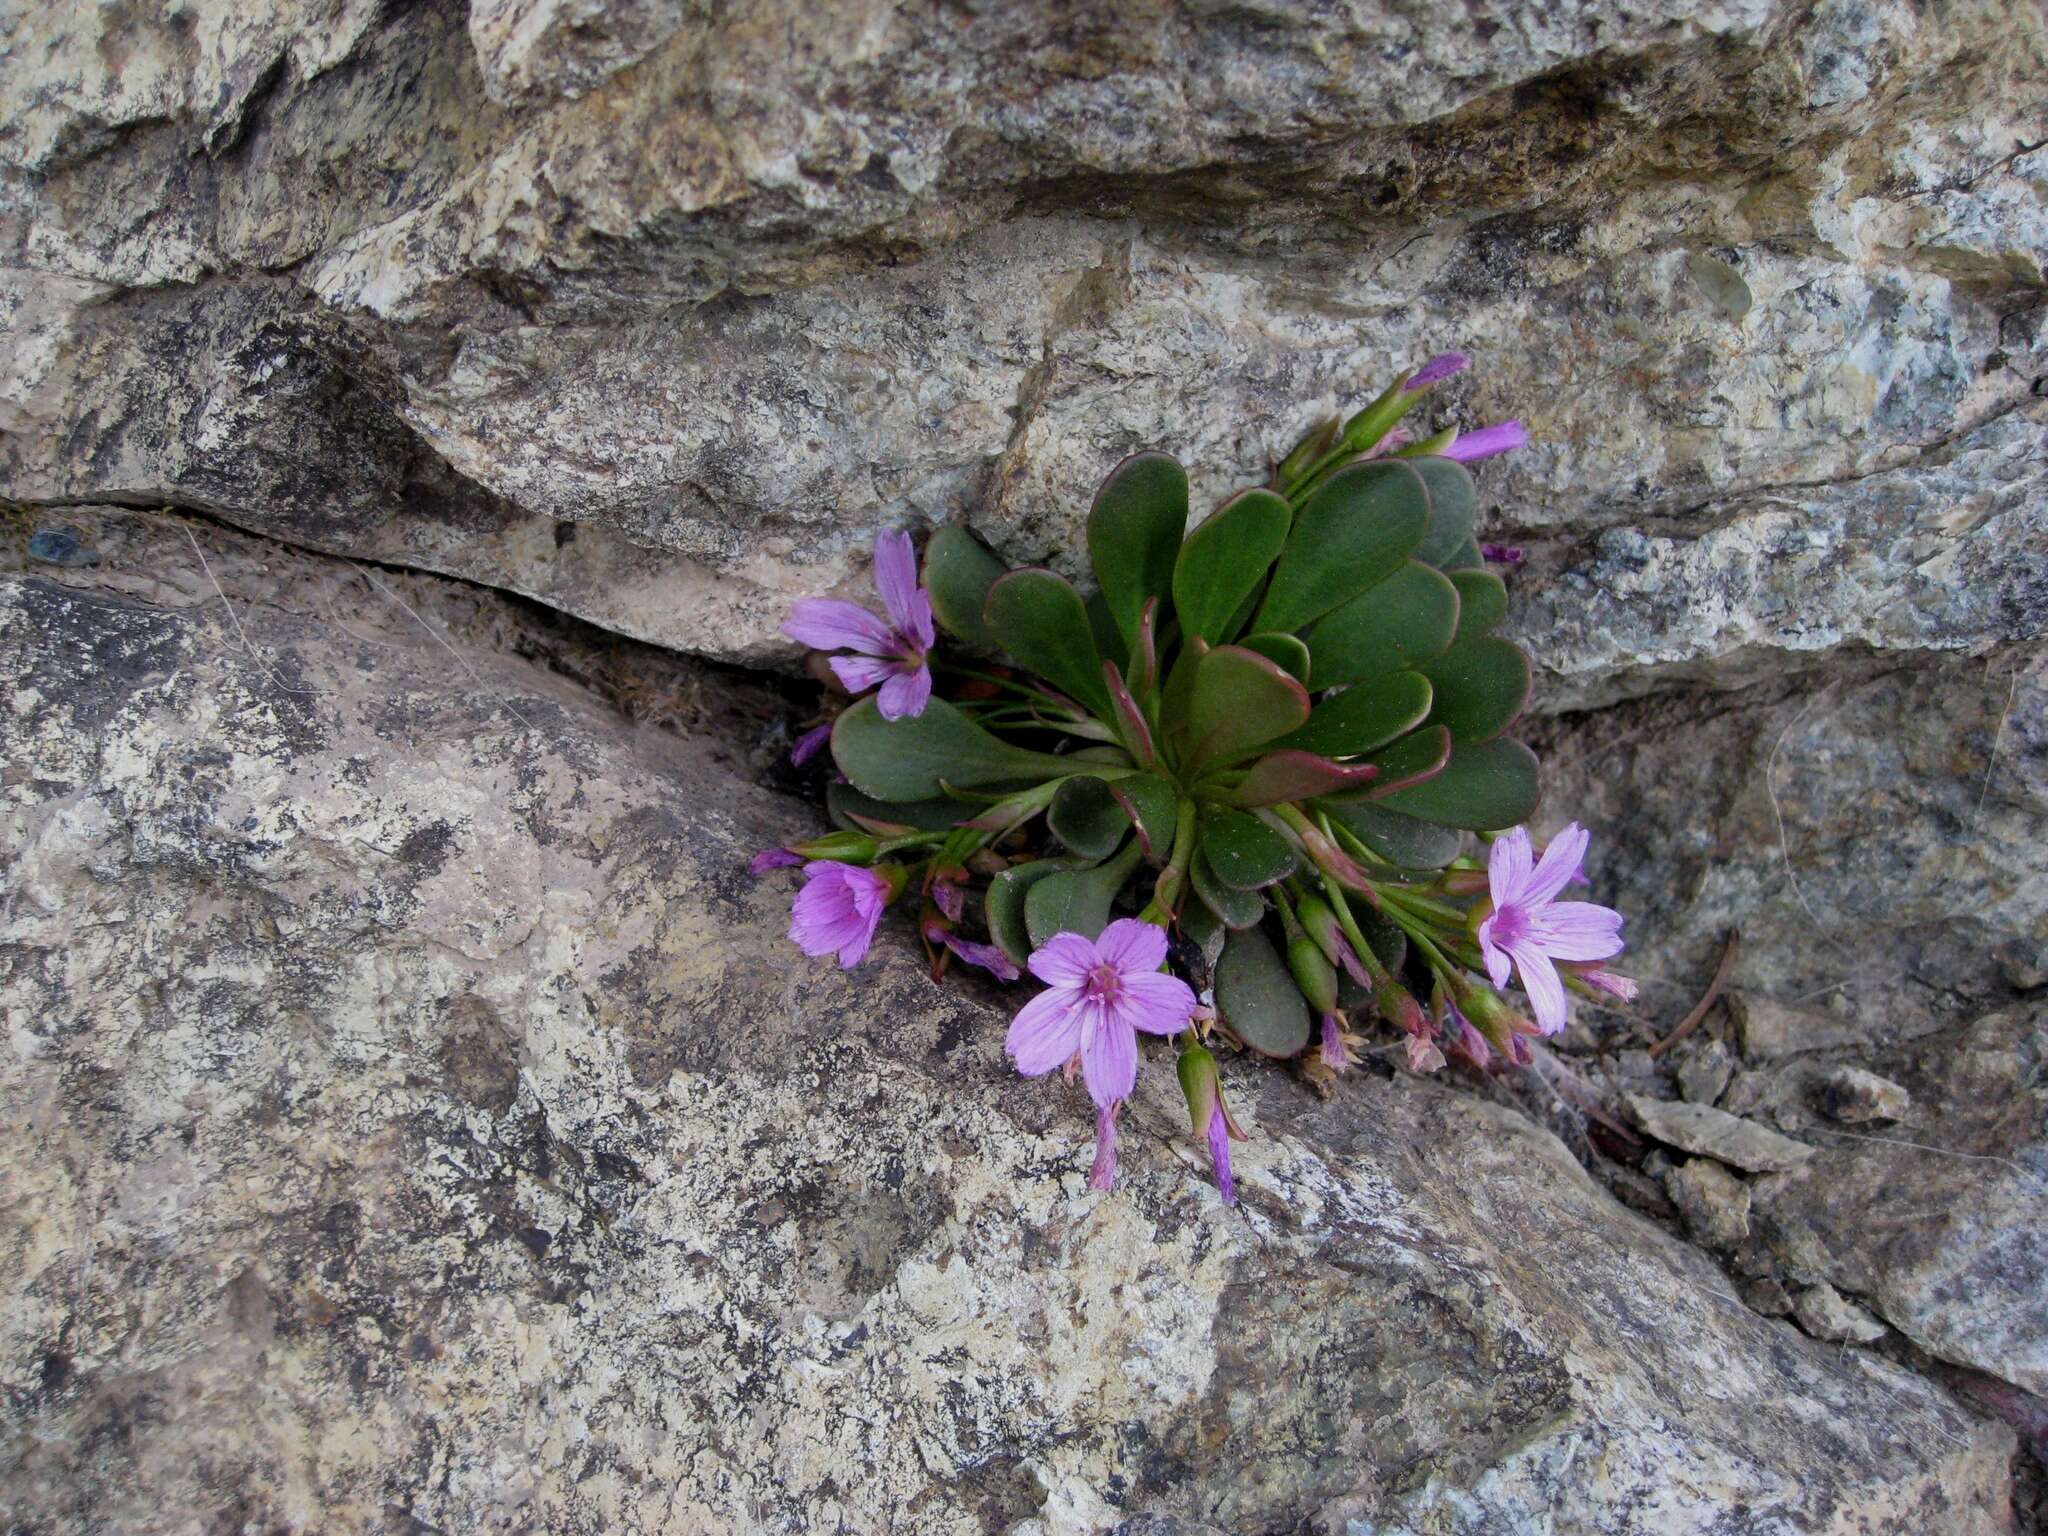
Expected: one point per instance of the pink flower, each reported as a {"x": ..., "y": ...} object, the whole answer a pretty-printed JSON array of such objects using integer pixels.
[
  {"x": 1336, "y": 1054},
  {"x": 1602, "y": 980},
  {"x": 1487, "y": 441},
  {"x": 987, "y": 956},
  {"x": 806, "y": 746},
  {"x": 1437, "y": 369},
  {"x": 838, "y": 910},
  {"x": 1098, "y": 994},
  {"x": 891, "y": 654},
  {"x": 1532, "y": 929}
]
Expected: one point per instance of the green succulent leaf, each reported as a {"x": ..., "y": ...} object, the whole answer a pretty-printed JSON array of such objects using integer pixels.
[
  {"x": 1085, "y": 816},
  {"x": 1358, "y": 529},
  {"x": 1383, "y": 936},
  {"x": 1239, "y": 702},
  {"x": 1417, "y": 756},
  {"x": 1222, "y": 562},
  {"x": 1453, "y": 504},
  {"x": 1364, "y": 717},
  {"x": 1466, "y": 557},
  {"x": 1480, "y": 686},
  {"x": 843, "y": 803},
  {"x": 1482, "y": 788},
  {"x": 1285, "y": 652},
  {"x": 1203, "y": 929},
  {"x": 1152, "y": 805},
  {"x": 1400, "y": 840},
  {"x": 1296, "y": 775},
  {"x": 1233, "y": 908},
  {"x": 1243, "y": 852},
  {"x": 1408, "y": 618},
  {"x": 1257, "y": 998},
  {"x": 1109, "y": 639},
  {"x": 1004, "y": 907},
  {"x": 958, "y": 571},
  {"x": 1038, "y": 617},
  {"x": 1482, "y": 601},
  {"x": 1134, "y": 533},
  {"x": 1077, "y": 900},
  {"x": 915, "y": 758}
]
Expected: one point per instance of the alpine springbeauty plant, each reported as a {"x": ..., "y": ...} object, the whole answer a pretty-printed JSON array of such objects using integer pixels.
[{"x": 1254, "y": 790}]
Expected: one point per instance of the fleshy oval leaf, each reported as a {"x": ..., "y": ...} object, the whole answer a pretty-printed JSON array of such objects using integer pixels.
[
  {"x": 1482, "y": 602},
  {"x": 1453, "y": 506},
  {"x": 1286, "y": 652},
  {"x": 958, "y": 571},
  {"x": 1085, "y": 816},
  {"x": 1482, "y": 788},
  {"x": 1077, "y": 900},
  {"x": 1256, "y": 997},
  {"x": 1233, "y": 908},
  {"x": 1358, "y": 529},
  {"x": 1004, "y": 905},
  {"x": 1037, "y": 616},
  {"x": 1408, "y": 618},
  {"x": 915, "y": 758},
  {"x": 1239, "y": 702},
  {"x": 1242, "y": 850},
  {"x": 1223, "y": 561},
  {"x": 1479, "y": 686},
  {"x": 1364, "y": 717},
  {"x": 1400, "y": 840},
  {"x": 1134, "y": 534}
]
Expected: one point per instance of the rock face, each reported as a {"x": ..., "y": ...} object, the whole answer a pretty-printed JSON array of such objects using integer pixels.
[
  {"x": 656, "y": 310},
  {"x": 424, "y": 1125},
  {"x": 431, "y": 1130}
]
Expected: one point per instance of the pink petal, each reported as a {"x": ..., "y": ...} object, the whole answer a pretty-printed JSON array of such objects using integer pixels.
[
  {"x": 1487, "y": 441},
  {"x": 1576, "y": 930},
  {"x": 857, "y": 674},
  {"x": 1132, "y": 946},
  {"x": 1109, "y": 1060},
  {"x": 1064, "y": 960},
  {"x": 827, "y": 624},
  {"x": 947, "y": 897},
  {"x": 1155, "y": 1002},
  {"x": 905, "y": 694},
  {"x": 1539, "y": 980},
  {"x": 773, "y": 858},
  {"x": 1438, "y": 368},
  {"x": 896, "y": 576},
  {"x": 1045, "y": 1033},
  {"x": 1496, "y": 958},
  {"x": 1560, "y": 862},
  {"x": 916, "y": 628},
  {"x": 827, "y": 915},
  {"x": 1219, "y": 1158},
  {"x": 1612, "y": 983},
  {"x": 806, "y": 746},
  {"x": 987, "y": 956},
  {"x": 1507, "y": 866}
]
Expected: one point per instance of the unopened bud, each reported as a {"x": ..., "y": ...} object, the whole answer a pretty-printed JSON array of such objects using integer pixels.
[
  {"x": 1313, "y": 973},
  {"x": 1397, "y": 1005},
  {"x": 842, "y": 847}
]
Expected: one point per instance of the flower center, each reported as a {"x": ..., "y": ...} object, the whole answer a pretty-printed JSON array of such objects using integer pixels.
[
  {"x": 1509, "y": 924},
  {"x": 1104, "y": 985}
]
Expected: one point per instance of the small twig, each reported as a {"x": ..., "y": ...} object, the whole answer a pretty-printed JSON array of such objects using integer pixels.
[
  {"x": 1921, "y": 1146},
  {"x": 434, "y": 634},
  {"x": 1691, "y": 1021},
  {"x": 248, "y": 645},
  {"x": 1997, "y": 741}
]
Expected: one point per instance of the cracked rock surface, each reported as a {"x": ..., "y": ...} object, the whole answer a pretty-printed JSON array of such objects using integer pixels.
[
  {"x": 656, "y": 310},
  {"x": 430, "y": 1129}
]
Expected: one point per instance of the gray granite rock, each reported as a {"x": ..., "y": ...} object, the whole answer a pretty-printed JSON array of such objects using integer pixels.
[
  {"x": 655, "y": 311},
  {"x": 1717, "y": 1134},
  {"x": 424, "y": 1123},
  {"x": 1714, "y": 1202},
  {"x": 1704, "y": 1073},
  {"x": 1940, "y": 1222},
  {"x": 1826, "y": 1313}
]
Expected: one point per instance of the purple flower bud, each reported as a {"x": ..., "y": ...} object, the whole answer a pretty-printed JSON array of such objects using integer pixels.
[
  {"x": 1501, "y": 554},
  {"x": 1219, "y": 1155},
  {"x": 1472, "y": 1047},
  {"x": 1336, "y": 1055},
  {"x": 947, "y": 898},
  {"x": 1437, "y": 369},
  {"x": 773, "y": 858},
  {"x": 1487, "y": 441},
  {"x": 1103, "y": 1174},
  {"x": 987, "y": 956},
  {"x": 807, "y": 745}
]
